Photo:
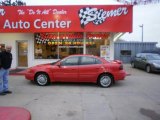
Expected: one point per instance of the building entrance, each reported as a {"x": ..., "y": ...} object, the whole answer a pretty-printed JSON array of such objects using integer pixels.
[{"x": 22, "y": 47}]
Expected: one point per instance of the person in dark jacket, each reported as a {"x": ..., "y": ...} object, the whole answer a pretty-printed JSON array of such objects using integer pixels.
[{"x": 5, "y": 64}]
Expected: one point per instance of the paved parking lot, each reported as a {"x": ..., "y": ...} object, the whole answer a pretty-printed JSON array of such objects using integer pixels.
[{"x": 136, "y": 98}]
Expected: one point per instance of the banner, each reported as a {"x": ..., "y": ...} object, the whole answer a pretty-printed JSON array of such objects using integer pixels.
[{"x": 75, "y": 18}]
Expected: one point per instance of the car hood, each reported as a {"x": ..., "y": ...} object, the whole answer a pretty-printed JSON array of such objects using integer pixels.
[
  {"x": 42, "y": 65},
  {"x": 154, "y": 61}
]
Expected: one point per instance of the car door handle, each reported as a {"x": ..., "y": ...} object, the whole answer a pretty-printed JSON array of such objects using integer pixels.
[
  {"x": 73, "y": 69},
  {"x": 98, "y": 68}
]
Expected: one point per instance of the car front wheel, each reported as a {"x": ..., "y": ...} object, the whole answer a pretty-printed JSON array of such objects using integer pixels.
[
  {"x": 42, "y": 79},
  {"x": 148, "y": 69},
  {"x": 105, "y": 80}
]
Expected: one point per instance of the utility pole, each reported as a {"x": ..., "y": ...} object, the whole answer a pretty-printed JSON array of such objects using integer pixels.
[{"x": 142, "y": 31}]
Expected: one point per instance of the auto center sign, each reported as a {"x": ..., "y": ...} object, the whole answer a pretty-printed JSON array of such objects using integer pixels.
[{"x": 77, "y": 18}]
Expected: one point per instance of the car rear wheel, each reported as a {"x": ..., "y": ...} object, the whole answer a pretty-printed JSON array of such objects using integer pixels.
[
  {"x": 148, "y": 69},
  {"x": 42, "y": 79},
  {"x": 105, "y": 80}
]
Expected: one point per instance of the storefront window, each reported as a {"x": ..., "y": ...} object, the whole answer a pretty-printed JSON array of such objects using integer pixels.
[
  {"x": 97, "y": 39},
  {"x": 59, "y": 45}
]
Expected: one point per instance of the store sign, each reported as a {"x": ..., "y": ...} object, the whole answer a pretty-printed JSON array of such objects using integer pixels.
[
  {"x": 69, "y": 39},
  {"x": 106, "y": 18}
]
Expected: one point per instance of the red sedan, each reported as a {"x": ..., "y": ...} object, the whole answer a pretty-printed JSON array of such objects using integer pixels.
[{"x": 78, "y": 68}]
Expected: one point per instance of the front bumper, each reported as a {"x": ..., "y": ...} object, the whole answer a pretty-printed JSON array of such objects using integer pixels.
[
  {"x": 155, "y": 69},
  {"x": 29, "y": 76}
]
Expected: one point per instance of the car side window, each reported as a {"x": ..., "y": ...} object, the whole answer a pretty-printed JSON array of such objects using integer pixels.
[
  {"x": 71, "y": 61},
  {"x": 89, "y": 60},
  {"x": 98, "y": 61},
  {"x": 138, "y": 55}
]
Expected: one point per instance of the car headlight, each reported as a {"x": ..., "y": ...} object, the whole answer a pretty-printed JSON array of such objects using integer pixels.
[{"x": 156, "y": 65}]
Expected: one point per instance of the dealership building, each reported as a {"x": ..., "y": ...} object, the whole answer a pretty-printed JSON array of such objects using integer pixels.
[{"x": 42, "y": 34}]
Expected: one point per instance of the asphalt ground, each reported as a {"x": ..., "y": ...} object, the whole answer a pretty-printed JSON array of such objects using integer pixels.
[{"x": 135, "y": 98}]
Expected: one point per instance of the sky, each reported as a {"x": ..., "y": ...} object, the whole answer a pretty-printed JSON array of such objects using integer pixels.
[
  {"x": 150, "y": 18},
  {"x": 142, "y": 14},
  {"x": 69, "y": 2}
]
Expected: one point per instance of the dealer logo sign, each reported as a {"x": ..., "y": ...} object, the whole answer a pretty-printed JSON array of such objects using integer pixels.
[{"x": 98, "y": 16}]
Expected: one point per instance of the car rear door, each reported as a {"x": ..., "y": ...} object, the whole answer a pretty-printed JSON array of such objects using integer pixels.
[{"x": 89, "y": 69}]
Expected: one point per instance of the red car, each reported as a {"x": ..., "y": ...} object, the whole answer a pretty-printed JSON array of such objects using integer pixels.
[{"x": 78, "y": 68}]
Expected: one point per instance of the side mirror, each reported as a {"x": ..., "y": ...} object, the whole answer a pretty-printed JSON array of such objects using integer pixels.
[
  {"x": 144, "y": 59},
  {"x": 59, "y": 64}
]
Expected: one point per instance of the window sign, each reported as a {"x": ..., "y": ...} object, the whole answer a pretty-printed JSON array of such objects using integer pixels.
[{"x": 105, "y": 52}]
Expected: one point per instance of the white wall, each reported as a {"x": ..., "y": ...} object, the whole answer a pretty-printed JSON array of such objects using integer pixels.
[{"x": 149, "y": 16}]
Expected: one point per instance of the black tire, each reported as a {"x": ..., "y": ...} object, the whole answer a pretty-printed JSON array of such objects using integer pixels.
[
  {"x": 148, "y": 69},
  {"x": 105, "y": 80},
  {"x": 133, "y": 65},
  {"x": 42, "y": 79}
]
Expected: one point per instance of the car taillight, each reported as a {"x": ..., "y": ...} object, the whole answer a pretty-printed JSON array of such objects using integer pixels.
[
  {"x": 118, "y": 61},
  {"x": 121, "y": 67}
]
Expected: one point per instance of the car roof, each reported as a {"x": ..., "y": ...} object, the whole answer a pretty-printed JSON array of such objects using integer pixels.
[
  {"x": 88, "y": 55},
  {"x": 83, "y": 55}
]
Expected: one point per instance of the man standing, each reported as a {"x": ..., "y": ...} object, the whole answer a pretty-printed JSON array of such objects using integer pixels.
[{"x": 5, "y": 64}]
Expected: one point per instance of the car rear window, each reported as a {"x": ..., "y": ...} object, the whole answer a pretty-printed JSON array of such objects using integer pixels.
[{"x": 89, "y": 60}]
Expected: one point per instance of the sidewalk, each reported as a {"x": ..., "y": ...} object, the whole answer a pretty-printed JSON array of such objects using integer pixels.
[{"x": 17, "y": 71}]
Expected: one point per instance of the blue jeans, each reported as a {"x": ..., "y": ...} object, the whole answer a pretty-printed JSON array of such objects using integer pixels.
[{"x": 3, "y": 79}]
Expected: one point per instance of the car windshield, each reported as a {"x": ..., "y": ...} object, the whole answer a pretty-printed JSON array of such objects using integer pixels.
[{"x": 153, "y": 57}]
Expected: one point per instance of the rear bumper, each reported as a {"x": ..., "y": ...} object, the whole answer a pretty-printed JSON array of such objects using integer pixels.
[{"x": 120, "y": 75}]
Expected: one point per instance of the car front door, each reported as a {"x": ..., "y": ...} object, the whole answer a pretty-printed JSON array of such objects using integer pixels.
[
  {"x": 143, "y": 62},
  {"x": 67, "y": 71},
  {"x": 138, "y": 60}
]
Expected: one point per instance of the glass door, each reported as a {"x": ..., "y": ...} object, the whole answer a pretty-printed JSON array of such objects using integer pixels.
[{"x": 22, "y": 53}]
